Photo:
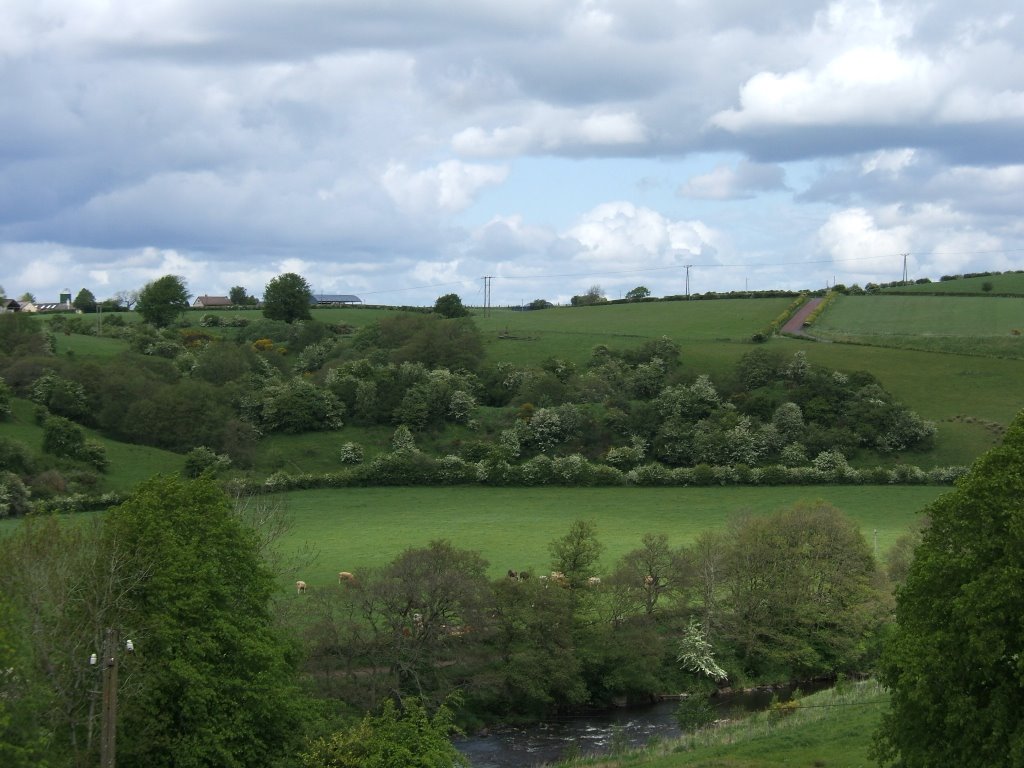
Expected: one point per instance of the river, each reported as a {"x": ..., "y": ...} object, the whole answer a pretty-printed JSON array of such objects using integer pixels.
[{"x": 595, "y": 733}]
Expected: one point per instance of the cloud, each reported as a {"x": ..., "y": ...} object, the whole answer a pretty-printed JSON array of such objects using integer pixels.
[
  {"x": 449, "y": 186},
  {"x": 551, "y": 130},
  {"x": 739, "y": 182},
  {"x": 623, "y": 236}
]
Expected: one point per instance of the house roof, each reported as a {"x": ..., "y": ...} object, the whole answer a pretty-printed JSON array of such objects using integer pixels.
[
  {"x": 212, "y": 301},
  {"x": 335, "y": 298}
]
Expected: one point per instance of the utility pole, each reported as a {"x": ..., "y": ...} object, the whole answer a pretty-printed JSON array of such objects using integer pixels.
[
  {"x": 108, "y": 738},
  {"x": 487, "y": 295},
  {"x": 108, "y": 669}
]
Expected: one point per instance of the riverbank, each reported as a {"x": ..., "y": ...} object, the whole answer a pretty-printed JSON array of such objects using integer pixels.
[{"x": 832, "y": 728}]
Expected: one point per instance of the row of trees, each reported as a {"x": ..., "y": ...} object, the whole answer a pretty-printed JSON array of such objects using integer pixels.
[
  {"x": 788, "y": 596},
  {"x": 216, "y": 674}
]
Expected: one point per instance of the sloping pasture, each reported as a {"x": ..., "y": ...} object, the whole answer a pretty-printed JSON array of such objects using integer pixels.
[
  {"x": 988, "y": 326},
  {"x": 571, "y": 333},
  {"x": 970, "y": 398},
  {"x": 129, "y": 464},
  {"x": 354, "y": 529},
  {"x": 1008, "y": 282}
]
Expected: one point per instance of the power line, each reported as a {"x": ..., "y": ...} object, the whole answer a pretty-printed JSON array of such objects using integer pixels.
[{"x": 706, "y": 265}]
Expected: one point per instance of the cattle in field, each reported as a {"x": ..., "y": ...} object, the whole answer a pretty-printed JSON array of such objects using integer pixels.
[
  {"x": 300, "y": 587},
  {"x": 344, "y": 577},
  {"x": 558, "y": 578},
  {"x": 513, "y": 575},
  {"x": 594, "y": 581}
]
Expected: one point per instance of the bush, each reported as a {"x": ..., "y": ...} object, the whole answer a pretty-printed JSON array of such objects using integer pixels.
[
  {"x": 202, "y": 459},
  {"x": 351, "y": 453},
  {"x": 14, "y": 496},
  {"x": 650, "y": 475},
  {"x": 694, "y": 712},
  {"x": 5, "y": 399}
]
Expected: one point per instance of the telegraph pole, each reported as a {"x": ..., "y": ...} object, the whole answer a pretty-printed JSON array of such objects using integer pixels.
[
  {"x": 108, "y": 669},
  {"x": 487, "y": 295},
  {"x": 108, "y": 739}
]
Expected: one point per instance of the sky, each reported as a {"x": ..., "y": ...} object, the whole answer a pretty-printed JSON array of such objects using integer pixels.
[{"x": 401, "y": 150}]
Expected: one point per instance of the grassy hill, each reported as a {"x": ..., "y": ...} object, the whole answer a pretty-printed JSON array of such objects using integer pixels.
[
  {"x": 129, "y": 464},
  {"x": 978, "y": 326},
  {"x": 1007, "y": 282},
  {"x": 966, "y": 343}
]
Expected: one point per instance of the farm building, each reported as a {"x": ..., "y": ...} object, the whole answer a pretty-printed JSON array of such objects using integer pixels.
[
  {"x": 64, "y": 305},
  {"x": 212, "y": 302},
  {"x": 9, "y": 305},
  {"x": 333, "y": 299}
]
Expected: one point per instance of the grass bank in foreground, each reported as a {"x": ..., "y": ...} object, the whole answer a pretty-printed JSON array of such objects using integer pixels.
[{"x": 830, "y": 729}]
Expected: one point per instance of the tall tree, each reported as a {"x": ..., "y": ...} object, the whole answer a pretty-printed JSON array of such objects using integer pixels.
[
  {"x": 85, "y": 301},
  {"x": 239, "y": 297},
  {"x": 162, "y": 300},
  {"x": 126, "y": 299},
  {"x": 450, "y": 305},
  {"x": 65, "y": 583},
  {"x": 798, "y": 591},
  {"x": 955, "y": 663},
  {"x": 638, "y": 293},
  {"x": 215, "y": 680},
  {"x": 286, "y": 297},
  {"x": 575, "y": 555}
]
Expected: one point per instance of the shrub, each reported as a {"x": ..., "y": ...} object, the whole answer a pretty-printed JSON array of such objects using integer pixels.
[
  {"x": 453, "y": 470},
  {"x": 572, "y": 470},
  {"x": 5, "y": 399},
  {"x": 351, "y": 453},
  {"x": 202, "y": 459},
  {"x": 650, "y": 475},
  {"x": 14, "y": 496},
  {"x": 494, "y": 471}
]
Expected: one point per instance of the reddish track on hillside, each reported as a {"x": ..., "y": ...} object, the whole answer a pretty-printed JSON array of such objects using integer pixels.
[{"x": 795, "y": 324}]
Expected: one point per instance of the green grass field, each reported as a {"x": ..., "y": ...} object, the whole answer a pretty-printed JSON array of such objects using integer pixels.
[
  {"x": 357, "y": 528},
  {"x": 129, "y": 464},
  {"x": 571, "y": 333},
  {"x": 1008, "y": 282},
  {"x": 967, "y": 325},
  {"x": 75, "y": 344}
]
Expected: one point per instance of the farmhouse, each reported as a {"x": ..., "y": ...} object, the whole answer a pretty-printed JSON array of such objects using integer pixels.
[
  {"x": 212, "y": 302},
  {"x": 333, "y": 299},
  {"x": 64, "y": 305}
]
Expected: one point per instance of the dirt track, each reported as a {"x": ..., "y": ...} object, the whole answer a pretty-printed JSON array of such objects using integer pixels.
[{"x": 795, "y": 324}]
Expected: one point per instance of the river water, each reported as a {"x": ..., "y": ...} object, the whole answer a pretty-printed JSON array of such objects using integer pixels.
[{"x": 595, "y": 733}]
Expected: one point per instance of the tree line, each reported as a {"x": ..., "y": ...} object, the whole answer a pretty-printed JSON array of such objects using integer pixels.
[{"x": 229, "y": 670}]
